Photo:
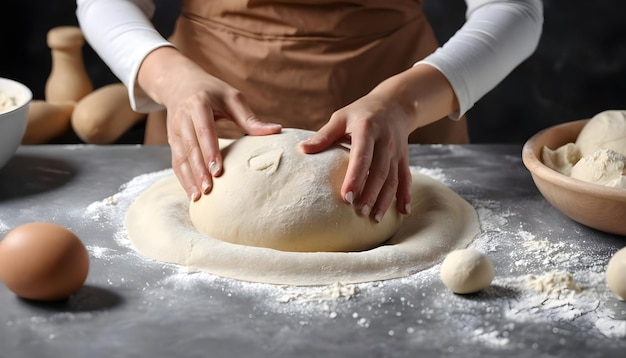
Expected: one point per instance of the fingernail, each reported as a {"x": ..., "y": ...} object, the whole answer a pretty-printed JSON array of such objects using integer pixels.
[
  {"x": 366, "y": 210},
  {"x": 214, "y": 168},
  {"x": 379, "y": 216},
  {"x": 407, "y": 209},
  {"x": 350, "y": 197},
  {"x": 206, "y": 186},
  {"x": 194, "y": 194}
]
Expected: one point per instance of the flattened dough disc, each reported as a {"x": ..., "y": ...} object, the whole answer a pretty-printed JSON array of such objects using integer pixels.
[{"x": 159, "y": 227}]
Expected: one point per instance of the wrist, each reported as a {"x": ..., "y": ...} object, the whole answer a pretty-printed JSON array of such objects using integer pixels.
[
  {"x": 423, "y": 92},
  {"x": 154, "y": 73}
]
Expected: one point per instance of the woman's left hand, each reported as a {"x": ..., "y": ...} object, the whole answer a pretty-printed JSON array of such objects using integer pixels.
[
  {"x": 377, "y": 126},
  {"x": 377, "y": 129}
]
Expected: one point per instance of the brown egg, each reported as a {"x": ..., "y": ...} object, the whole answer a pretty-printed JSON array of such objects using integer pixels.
[{"x": 43, "y": 261}]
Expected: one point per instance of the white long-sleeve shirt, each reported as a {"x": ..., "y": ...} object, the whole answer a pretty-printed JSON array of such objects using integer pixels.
[{"x": 496, "y": 37}]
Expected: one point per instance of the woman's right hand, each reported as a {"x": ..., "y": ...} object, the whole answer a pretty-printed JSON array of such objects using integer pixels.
[{"x": 194, "y": 100}]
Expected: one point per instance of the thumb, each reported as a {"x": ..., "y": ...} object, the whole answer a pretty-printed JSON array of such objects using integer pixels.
[
  {"x": 244, "y": 117},
  {"x": 328, "y": 135},
  {"x": 253, "y": 126}
]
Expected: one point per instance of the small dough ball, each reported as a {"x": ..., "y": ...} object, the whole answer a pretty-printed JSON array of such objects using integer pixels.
[
  {"x": 467, "y": 271},
  {"x": 273, "y": 195},
  {"x": 605, "y": 130},
  {"x": 604, "y": 167},
  {"x": 616, "y": 273},
  {"x": 43, "y": 261}
]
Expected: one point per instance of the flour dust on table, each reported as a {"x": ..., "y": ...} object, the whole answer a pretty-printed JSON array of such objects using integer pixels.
[{"x": 574, "y": 290}]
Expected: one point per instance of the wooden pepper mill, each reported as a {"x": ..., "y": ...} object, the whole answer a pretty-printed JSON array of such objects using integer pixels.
[
  {"x": 68, "y": 80},
  {"x": 67, "y": 83}
]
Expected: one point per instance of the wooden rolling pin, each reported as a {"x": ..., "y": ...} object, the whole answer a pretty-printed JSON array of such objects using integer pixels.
[
  {"x": 46, "y": 121},
  {"x": 104, "y": 115}
]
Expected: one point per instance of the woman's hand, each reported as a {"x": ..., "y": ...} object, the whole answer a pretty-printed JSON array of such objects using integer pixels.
[
  {"x": 378, "y": 168},
  {"x": 194, "y": 101},
  {"x": 377, "y": 127}
]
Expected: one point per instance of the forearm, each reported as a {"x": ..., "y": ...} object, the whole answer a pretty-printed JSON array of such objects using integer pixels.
[
  {"x": 497, "y": 37},
  {"x": 121, "y": 33}
]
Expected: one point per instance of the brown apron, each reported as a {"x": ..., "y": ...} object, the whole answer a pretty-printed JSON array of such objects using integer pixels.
[{"x": 298, "y": 61}]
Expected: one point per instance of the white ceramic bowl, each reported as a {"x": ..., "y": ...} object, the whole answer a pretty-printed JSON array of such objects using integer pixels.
[
  {"x": 13, "y": 121},
  {"x": 597, "y": 206}
]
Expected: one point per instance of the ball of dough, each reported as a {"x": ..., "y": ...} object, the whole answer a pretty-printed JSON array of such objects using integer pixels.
[
  {"x": 273, "y": 195},
  {"x": 604, "y": 167},
  {"x": 606, "y": 130},
  {"x": 616, "y": 273},
  {"x": 467, "y": 271}
]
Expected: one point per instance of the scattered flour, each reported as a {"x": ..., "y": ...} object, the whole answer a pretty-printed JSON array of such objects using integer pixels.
[
  {"x": 99, "y": 252},
  {"x": 112, "y": 210},
  {"x": 435, "y": 173},
  {"x": 554, "y": 284},
  {"x": 561, "y": 292},
  {"x": 7, "y": 102}
]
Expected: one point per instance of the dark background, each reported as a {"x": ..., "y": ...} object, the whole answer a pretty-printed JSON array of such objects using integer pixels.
[{"x": 578, "y": 70}]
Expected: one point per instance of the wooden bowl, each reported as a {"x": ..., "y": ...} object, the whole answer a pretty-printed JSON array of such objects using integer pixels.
[{"x": 597, "y": 206}]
